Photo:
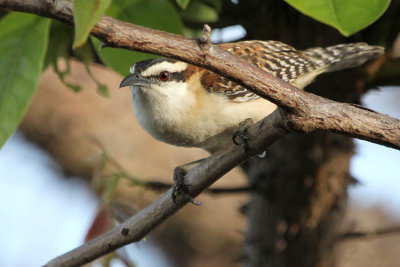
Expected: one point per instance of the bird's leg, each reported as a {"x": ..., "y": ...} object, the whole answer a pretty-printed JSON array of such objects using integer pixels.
[
  {"x": 239, "y": 136},
  {"x": 180, "y": 188}
]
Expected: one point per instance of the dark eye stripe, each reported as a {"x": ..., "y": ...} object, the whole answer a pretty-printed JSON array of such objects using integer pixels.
[
  {"x": 174, "y": 76},
  {"x": 178, "y": 76}
]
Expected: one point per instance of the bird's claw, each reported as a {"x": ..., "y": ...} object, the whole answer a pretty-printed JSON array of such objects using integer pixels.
[
  {"x": 240, "y": 134},
  {"x": 180, "y": 188}
]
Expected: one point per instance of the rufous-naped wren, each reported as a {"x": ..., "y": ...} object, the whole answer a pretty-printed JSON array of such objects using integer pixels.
[{"x": 185, "y": 105}]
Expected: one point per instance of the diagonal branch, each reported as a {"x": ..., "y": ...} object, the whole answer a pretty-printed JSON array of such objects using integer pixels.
[
  {"x": 310, "y": 111},
  {"x": 262, "y": 135}
]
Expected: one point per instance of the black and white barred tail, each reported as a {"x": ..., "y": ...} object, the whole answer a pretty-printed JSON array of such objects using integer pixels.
[{"x": 343, "y": 56}]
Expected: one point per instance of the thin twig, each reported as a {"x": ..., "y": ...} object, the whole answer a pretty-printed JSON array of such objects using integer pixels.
[
  {"x": 369, "y": 234},
  {"x": 157, "y": 185}
]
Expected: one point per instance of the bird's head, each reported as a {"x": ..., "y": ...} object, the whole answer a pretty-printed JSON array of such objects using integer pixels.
[{"x": 161, "y": 78}]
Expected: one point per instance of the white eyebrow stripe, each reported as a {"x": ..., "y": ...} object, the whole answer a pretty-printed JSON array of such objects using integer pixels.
[
  {"x": 165, "y": 65},
  {"x": 132, "y": 69}
]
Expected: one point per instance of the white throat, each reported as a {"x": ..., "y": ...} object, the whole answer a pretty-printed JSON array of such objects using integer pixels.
[{"x": 161, "y": 108}]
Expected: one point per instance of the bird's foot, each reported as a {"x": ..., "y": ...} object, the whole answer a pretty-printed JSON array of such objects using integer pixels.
[
  {"x": 180, "y": 188},
  {"x": 239, "y": 137}
]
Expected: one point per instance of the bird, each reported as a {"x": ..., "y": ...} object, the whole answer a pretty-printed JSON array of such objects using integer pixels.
[{"x": 186, "y": 105}]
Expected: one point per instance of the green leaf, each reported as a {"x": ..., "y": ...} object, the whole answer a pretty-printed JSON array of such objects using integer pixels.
[
  {"x": 85, "y": 53},
  {"x": 86, "y": 15},
  {"x": 63, "y": 73},
  {"x": 214, "y": 3},
  {"x": 61, "y": 37},
  {"x": 183, "y": 3},
  {"x": 24, "y": 39},
  {"x": 198, "y": 11},
  {"x": 155, "y": 14},
  {"x": 110, "y": 188},
  {"x": 192, "y": 32},
  {"x": 347, "y": 16}
]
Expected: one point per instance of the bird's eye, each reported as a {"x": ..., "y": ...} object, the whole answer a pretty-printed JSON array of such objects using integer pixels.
[{"x": 164, "y": 76}]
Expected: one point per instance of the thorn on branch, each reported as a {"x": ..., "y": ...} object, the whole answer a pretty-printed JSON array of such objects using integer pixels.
[{"x": 204, "y": 40}]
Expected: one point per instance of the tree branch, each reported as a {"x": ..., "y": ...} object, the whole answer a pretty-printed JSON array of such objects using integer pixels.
[
  {"x": 309, "y": 112},
  {"x": 261, "y": 135}
]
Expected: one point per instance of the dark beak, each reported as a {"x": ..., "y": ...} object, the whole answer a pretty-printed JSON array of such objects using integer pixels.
[{"x": 134, "y": 80}]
